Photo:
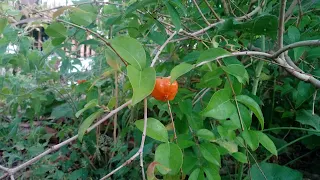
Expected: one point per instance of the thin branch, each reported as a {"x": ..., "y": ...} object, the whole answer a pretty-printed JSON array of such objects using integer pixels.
[
  {"x": 161, "y": 49},
  {"x": 95, "y": 34},
  {"x": 294, "y": 45},
  {"x": 247, "y": 16},
  {"x": 145, "y": 115},
  {"x": 115, "y": 118},
  {"x": 281, "y": 25},
  {"x": 199, "y": 10},
  {"x": 225, "y": 6},
  {"x": 212, "y": 10},
  {"x": 289, "y": 12},
  {"x": 196, "y": 99},
  {"x": 58, "y": 146},
  {"x": 314, "y": 101},
  {"x": 11, "y": 177},
  {"x": 4, "y": 168},
  {"x": 140, "y": 151},
  {"x": 172, "y": 121}
]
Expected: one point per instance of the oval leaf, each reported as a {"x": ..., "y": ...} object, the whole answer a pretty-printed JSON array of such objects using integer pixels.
[
  {"x": 87, "y": 122},
  {"x": 206, "y": 134},
  {"x": 174, "y": 15},
  {"x": 155, "y": 129},
  {"x": 219, "y": 106},
  {"x": 210, "y": 153},
  {"x": 56, "y": 30},
  {"x": 251, "y": 139},
  {"x": 238, "y": 71},
  {"x": 212, "y": 54},
  {"x": 142, "y": 82},
  {"x": 266, "y": 142},
  {"x": 3, "y": 24},
  {"x": 169, "y": 155},
  {"x": 130, "y": 50},
  {"x": 240, "y": 157},
  {"x": 253, "y": 106},
  {"x": 180, "y": 70},
  {"x": 197, "y": 174}
]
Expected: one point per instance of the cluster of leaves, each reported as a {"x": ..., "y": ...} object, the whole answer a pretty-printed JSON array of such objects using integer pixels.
[{"x": 219, "y": 121}]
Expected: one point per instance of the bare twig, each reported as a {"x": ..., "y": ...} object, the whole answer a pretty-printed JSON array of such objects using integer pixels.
[
  {"x": 115, "y": 117},
  {"x": 314, "y": 100},
  {"x": 172, "y": 121},
  {"x": 281, "y": 26},
  {"x": 139, "y": 152},
  {"x": 289, "y": 12},
  {"x": 212, "y": 10},
  {"x": 199, "y": 10},
  {"x": 161, "y": 49},
  {"x": 58, "y": 146},
  {"x": 95, "y": 34},
  {"x": 145, "y": 116},
  {"x": 297, "y": 44},
  {"x": 11, "y": 177},
  {"x": 226, "y": 7},
  {"x": 196, "y": 99}
]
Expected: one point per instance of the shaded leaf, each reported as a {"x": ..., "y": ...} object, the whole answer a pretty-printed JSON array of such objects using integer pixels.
[
  {"x": 274, "y": 171},
  {"x": 253, "y": 106},
  {"x": 56, "y": 30},
  {"x": 206, "y": 134},
  {"x": 175, "y": 17},
  {"x": 87, "y": 123},
  {"x": 251, "y": 139},
  {"x": 239, "y": 156},
  {"x": 210, "y": 153},
  {"x": 266, "y": 142}
]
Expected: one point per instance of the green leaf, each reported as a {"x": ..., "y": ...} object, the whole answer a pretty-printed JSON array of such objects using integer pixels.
[
  {"x": 142, "y": 82},
  {"x": 155, "y": 129},
  {"x": 303, "y": 93},
  {"x": 253, "y": 106},
  {"x": 238, "y": 71},
  {"x": 212, "y": 171},
  {"x": 138, "y": 5},
  {"x": 307, "y": 118},
  {"x": 294, "y": 34},
  {"x": 87, "y": 122},
  {"x": 210, "y": 153},
  {"x": 81, "y": 17},
  {"x": 266, "y": 142},
  {"x": 219, "y": 106},
  {"x": 206, "y": 134},
  {"x": 175, "y": 17},
  {"x": 246, "y": 117},
  {"x": 274, "y": 171},
  {"x": 179, "y": 70},
  {"x": 56, "y": 30},
  {"x": 211, "y": 54},
  {"x": 170, "y": 156},
  {"x": 251, "y": 139},
  {"x": 197, "y": 174},
  {"x": 211, "y": 79},
  {"x": 239, "y": 156},
  {"x": 228, "y": 145},
  {"x": 90, "y": 104},
  {"x": 3, "y": 24},
  {"x": 63, "y": 110},
  {"x": 130, "y": 50}
]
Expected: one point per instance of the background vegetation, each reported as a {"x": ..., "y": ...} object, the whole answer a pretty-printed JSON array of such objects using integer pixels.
[{"x": 247, "y": 105}]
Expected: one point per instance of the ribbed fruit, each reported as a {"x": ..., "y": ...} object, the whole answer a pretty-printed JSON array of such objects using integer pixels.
[{"x": 164, "y": 90}]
